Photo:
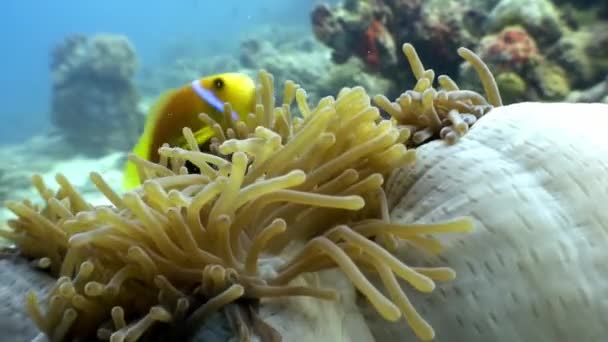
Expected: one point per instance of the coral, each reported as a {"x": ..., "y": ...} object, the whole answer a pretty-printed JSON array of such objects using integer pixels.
[
  {"x": 289, "y": 55},
  {"x": 512, "y": 49},
  {"x": 350, "y": 74},
  {"x": 582, "y": 3},
  {"x": 325, "y": 26},
  {"x": 448, "y": 112},
  {"x": 511, "y": 86},
  {"x": 377, "y": 41},
  {"x": 300, "y": 59},
  {"x": 264, "y": 207},
  {"x": 435, "y": 27},
  {"x": 106, "y": 56},
  {"x": 570, "y": 52},
  {"x": 94, "y": 99},
  {"x": 578, "y": 50},
  {"x": 598, "y": 56},
  {"x": 539, "y": 17},
  {"x": 407, "y": 10},
  {"x": 261, "y": 48},
  {"x": 597, "y": 93},
  {"x": 590, "y": 8},
  {"x": 523, "y": 72},
  {"x": 356, "y": 29},
  {"x": 512, "y": 36},
  {"x": 551, "y": 81}
]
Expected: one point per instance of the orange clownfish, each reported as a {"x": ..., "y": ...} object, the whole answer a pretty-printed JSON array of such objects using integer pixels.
[{"x": 179, "y": 108}]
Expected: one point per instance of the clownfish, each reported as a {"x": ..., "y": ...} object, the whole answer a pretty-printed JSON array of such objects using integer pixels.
[{"x": 179, "y": 108}]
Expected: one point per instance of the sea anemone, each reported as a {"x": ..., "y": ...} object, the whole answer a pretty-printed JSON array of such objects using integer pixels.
[
  {"x": 275, "y": 197},
  {"x": 446, "y": 113}
]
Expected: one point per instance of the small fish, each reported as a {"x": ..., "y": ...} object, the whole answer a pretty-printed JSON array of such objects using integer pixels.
[{"x": 179, "y": 108}]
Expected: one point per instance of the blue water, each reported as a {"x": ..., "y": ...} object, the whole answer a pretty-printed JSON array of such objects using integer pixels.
[{"x": 30, "y": 28}]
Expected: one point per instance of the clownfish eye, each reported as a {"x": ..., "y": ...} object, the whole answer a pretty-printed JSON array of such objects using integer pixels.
[{"x": 218, "y": 83}]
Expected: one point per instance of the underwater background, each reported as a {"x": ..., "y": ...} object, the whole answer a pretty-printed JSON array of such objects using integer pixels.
[
  {"x": 158, "y": 30},
  {"x": 80, "y": 78}
]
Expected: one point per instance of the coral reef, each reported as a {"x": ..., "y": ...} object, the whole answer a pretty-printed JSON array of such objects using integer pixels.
[
  {"x": 299, "y": 57},
  {"x": 533, "y": 42},
  {"x": 94, "y": 98},
  {"x": 539, "y": 17},
  {"x": 357, "y": 28},
  {"x": 522, "y": 71},
  {"x": 511, "y": 49},
  {"x": 579, "y": 50},
  {"x": 348, "y": 74},
  {"x": 265, "y": 206},
  {"x": 368, "y": 29}
]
